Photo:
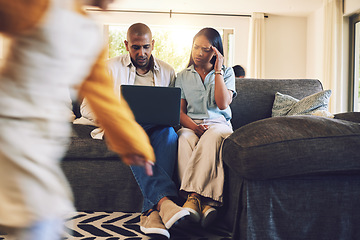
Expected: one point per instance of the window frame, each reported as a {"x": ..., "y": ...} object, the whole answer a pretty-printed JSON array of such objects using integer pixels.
[{"x": 354, "y": 19}]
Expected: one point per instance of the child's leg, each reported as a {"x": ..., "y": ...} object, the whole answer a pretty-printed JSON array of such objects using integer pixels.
[{"x": 43, "y": 230}]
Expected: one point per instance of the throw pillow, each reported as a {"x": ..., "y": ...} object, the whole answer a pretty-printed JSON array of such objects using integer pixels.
[
  {"x": 285, "y": 105},
  {"x": 323, "y": 113}
]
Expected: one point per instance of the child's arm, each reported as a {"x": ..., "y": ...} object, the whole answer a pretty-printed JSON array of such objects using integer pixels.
[{"x": 19, "y": 15}]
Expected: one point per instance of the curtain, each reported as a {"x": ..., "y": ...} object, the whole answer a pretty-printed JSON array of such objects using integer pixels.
[
  {"x": 333, "y": 27},
  {"x": 256, "y": 54}
]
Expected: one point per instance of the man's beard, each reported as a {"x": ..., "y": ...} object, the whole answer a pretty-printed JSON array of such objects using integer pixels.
[
  {"x": 145, "y": 64},
  {"x": 148, "y": 64}
]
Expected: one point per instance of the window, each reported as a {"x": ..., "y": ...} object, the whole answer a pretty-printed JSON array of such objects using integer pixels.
[
  {"x": 172, "y": 45},
  {"x": 228, "y": 44},
  {"x": 355, "y": 62}
]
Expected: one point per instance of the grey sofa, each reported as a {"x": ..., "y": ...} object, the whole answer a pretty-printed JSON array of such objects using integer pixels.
[
  {"x": 286, "y": 177},
  {"x": 290, "y": 177}
]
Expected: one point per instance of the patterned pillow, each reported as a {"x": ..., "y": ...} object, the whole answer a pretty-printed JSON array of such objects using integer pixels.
[{"x": 285, "y": 105}]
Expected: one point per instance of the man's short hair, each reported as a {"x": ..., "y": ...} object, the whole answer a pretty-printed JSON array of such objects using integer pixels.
[
  {"x": 239, "y": 71},
  {"x": 139, "y": 29}
]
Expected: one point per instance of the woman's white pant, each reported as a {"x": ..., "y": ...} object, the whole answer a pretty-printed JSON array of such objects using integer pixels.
[{"x": 200, "y": 167}]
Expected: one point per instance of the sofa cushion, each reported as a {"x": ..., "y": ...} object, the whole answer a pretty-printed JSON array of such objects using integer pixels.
[
  {"x": 84, "y": 147},
  {"x": 293, "y": 145},
  {"x": 286, "y": 105},
  {"x": 99, "y": 179}
]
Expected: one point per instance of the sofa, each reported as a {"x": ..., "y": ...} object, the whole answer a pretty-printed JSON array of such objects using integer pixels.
[{"x": 287, "y": 177}]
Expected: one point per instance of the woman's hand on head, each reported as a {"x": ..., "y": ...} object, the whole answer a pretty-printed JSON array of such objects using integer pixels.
[{"x": 219, "y": 59}]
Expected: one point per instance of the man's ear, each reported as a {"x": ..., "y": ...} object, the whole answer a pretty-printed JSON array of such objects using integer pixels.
[
  {"x": 152, "y": 43},
  {"x": 126, "y": 45}
]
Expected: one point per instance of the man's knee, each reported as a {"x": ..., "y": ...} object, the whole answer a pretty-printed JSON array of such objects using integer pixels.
[
  {"x": 164, "y": 136},
  {"x": 168, "y": 132}
]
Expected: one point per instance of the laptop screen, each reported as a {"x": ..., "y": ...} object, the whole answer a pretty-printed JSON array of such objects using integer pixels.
[{"x": 153, "y": 105}]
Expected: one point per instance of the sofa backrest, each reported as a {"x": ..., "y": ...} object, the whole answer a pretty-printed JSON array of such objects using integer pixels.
[{"x": 255, "y": 97}]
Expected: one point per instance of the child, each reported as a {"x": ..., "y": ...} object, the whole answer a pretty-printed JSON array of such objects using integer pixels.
[{"x": 54, "y": 47}]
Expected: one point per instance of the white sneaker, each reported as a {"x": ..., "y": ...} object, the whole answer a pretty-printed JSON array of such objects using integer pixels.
[
  {"x": 151, "y": 224},
  {"x": 171, "y": 213}
]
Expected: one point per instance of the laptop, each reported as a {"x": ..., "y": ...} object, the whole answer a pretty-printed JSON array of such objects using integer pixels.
[{"x": 153, "y": 105}]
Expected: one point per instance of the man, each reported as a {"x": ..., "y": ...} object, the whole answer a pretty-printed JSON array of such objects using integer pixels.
[
  {"x": 54, "y": 47},
  {"x": 239, "y": 71},
  {"x": 139, "y": 67}
]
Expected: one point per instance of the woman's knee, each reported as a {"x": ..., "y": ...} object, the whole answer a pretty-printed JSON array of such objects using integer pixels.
[
  {"x": 187, "y": 135},
  {"x": 219, "y": 131}
]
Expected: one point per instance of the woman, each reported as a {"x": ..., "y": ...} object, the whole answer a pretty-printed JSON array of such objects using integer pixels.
[{"x": 207, "y": 90}]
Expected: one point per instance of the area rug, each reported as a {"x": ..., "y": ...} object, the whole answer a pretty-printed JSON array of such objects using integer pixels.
[{"x": 119, "y": 226}]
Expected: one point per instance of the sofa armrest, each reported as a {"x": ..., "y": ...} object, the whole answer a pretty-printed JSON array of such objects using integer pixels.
[
  {"x": 293, "y": 146},
  {"x": 348, "y": 116}
]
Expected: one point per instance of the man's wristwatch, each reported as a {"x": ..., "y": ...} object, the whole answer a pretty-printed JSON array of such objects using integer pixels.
[{"x": 221, "y": 72}]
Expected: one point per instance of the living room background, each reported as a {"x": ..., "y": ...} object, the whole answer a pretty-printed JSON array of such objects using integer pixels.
[{"x": 293, "y": 45}]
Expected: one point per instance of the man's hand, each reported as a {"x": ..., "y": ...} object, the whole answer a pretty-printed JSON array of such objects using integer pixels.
[{"x": 137, "y": 160}]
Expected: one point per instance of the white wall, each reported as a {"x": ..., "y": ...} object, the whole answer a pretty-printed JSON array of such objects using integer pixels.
[
  {"x": 285, "y": 47},
  {"x": 351, "y": 6}
]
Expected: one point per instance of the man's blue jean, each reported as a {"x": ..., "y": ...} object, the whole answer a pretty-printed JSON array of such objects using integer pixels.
[{"x": 164, "y": 141}]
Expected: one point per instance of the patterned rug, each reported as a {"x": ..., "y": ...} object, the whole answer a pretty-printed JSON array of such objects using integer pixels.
[{"x": 119, "y": 226}]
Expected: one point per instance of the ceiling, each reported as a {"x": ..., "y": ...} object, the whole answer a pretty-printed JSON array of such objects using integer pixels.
[{"x": 274, "y": 7}]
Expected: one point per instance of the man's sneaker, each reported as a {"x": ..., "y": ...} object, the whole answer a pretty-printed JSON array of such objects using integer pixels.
[
  {"x": 193, "y": 205},
  {"x": 171, "y": 213},
  {"x": 151, "y": 224},
  {"x": 208, "y": 215}
]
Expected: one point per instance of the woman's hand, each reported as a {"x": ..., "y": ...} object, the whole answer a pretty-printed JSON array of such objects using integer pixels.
[
  {"x": 223, "y": 96},
  {"x": 219, "y": 59},
  {"x": 187, "y": 122},
  {"x": 200, "y": 129}
]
